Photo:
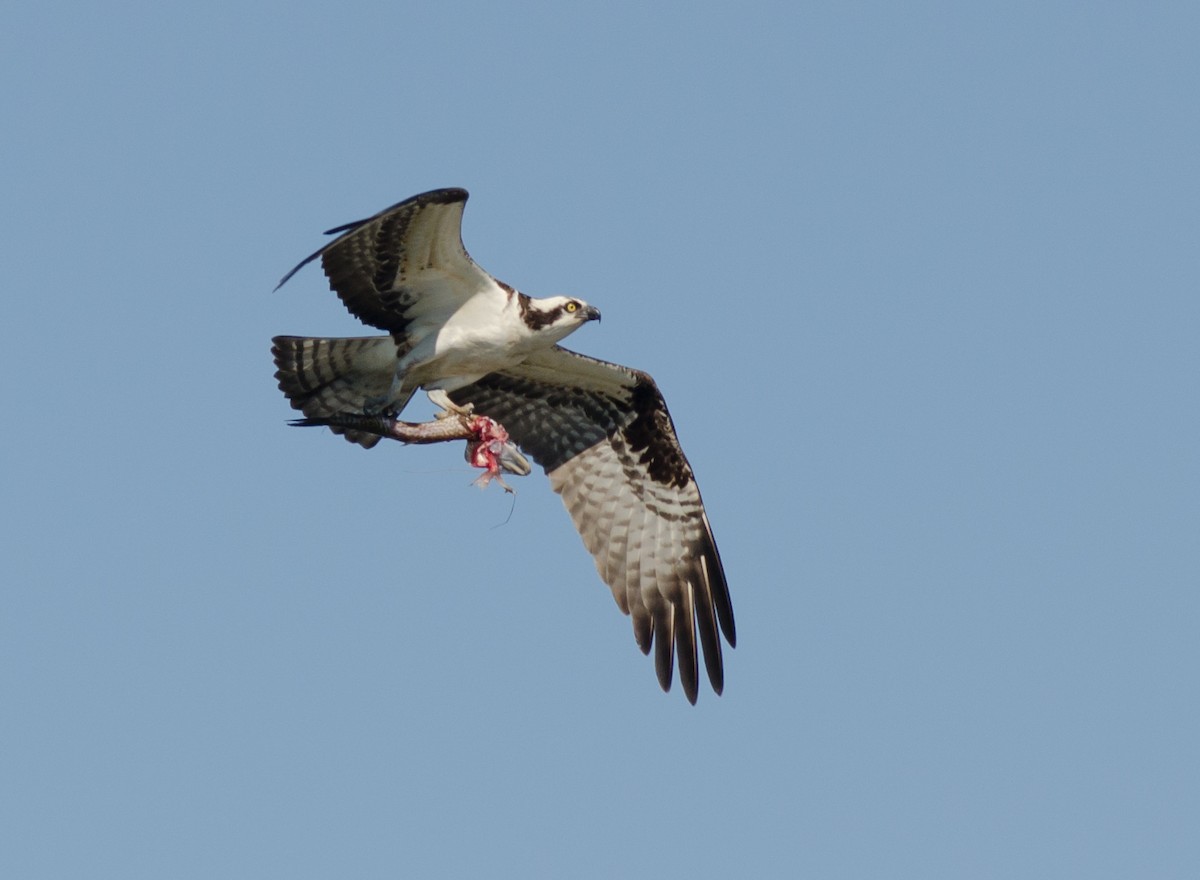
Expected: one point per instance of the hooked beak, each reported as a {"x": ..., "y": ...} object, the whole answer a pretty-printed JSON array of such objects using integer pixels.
[{"x": 592, "y": 313}]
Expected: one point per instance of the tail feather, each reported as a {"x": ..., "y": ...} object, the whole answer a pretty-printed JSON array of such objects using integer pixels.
[{"x": 324, "y": 377}]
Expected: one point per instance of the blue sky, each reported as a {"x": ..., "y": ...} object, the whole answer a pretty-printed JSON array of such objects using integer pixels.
[{"x": 919, "y": 283}]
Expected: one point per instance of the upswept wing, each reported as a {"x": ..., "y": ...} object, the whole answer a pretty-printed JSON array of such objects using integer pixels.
[
  {"x": 603, "y": 434},
  {"x": 405, "y": 263}
]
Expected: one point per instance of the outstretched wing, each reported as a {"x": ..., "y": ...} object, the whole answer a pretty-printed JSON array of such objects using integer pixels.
[
  {"x": 604, "y": 436},
  {"x": 405, "y": 263}
]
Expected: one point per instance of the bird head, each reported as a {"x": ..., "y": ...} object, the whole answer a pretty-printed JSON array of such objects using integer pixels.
[{"x": 557, "y": 316}]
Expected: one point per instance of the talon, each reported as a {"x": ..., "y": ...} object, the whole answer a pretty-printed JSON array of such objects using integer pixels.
[
  {"x": 441, "y": 399},
  {"x": 456, "y": 411}
]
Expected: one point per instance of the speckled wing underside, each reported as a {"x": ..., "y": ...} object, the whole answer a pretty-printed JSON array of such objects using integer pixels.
[
  {"x": 405, "y": 262},
  {"x": 604, "y": 436}
]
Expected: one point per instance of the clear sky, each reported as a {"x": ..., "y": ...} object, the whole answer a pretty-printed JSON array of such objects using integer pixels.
[{"x": 921, "y": 285}]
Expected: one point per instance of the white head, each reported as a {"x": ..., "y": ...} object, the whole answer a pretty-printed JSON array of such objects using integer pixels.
[{"x": 555, "y": 317}]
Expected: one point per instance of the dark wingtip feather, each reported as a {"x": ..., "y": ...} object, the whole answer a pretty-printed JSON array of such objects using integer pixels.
[
  {"x": 286, "y": 278},
  {"x": 725, "y": 613},
  {"x": 346, "y": 227},
  {"x": 710, "y": 639},
  {"x": 664, "y": 651},
  {"x": 685, "y": 646},
  {"x": 720, "y": 588},
  {"x": 643, "y": 629}
]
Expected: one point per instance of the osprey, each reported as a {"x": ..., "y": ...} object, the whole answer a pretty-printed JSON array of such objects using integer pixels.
[{"x": 601, "y": 431}]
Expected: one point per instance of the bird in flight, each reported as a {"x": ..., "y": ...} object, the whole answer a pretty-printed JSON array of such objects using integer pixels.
[{"x": 600, "y": 431}]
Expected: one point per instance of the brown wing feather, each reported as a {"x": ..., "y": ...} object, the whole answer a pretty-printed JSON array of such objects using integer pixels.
[
  {"x": 384, "y": 269},
  {"x": 604, "y": 436}
]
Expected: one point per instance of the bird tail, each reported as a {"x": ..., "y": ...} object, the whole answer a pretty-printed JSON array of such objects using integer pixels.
[{"x": 324, "y": 377}]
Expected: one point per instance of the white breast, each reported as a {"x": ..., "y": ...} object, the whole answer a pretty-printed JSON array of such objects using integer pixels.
[{"x": 484, "y": 335}]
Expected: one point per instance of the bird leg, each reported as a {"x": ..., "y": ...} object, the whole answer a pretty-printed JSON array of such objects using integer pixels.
[{"x": 488, "y": 446}]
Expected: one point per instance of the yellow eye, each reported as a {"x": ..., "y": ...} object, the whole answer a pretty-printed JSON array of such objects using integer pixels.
[{"x": 572, "y": 306}]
